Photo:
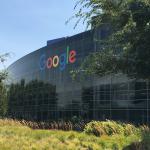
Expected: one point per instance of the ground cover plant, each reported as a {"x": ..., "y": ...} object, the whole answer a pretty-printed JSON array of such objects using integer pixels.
[{"x": 96, "y": 135}]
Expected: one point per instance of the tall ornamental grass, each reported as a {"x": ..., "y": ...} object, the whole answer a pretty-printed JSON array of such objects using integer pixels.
[{"x": 110, "y": 128}]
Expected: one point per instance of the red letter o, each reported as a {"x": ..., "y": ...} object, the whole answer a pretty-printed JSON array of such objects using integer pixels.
[{"x": 49, "y": 62}]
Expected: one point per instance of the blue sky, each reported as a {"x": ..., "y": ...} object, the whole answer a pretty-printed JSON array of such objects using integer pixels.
[{"x": 26, "y": 25}]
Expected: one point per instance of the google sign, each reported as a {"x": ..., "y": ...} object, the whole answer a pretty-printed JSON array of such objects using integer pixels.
[{"x": 58, "y": 61}]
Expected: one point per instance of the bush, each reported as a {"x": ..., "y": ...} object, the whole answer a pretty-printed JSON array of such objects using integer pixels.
[
  {"x": 109, "y": 128},
  {"x": 144, "y": 144}
]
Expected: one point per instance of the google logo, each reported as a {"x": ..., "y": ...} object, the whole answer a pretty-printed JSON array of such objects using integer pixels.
[{"x": 54, "y": 61}]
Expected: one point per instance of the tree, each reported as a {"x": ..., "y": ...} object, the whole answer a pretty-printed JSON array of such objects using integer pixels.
[
  {"x": 3, "y": 100},
  {"x": 127, "y": 47},
  {"x": 3, "y": 90},
  {"x": 3, "y": 72}
]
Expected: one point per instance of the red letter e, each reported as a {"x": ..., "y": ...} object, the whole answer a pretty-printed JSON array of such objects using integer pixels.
[{"x": 72, "y": 55}]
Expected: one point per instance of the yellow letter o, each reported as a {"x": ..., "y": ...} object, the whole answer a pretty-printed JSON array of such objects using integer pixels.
[{"x": 55, "y": 61}]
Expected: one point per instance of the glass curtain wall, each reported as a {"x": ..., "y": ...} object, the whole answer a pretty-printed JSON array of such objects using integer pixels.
[{"x": 41, "y": 92}]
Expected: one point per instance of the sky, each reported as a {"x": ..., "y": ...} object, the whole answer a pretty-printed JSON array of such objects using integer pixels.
[{"x": 26, "y": 25}]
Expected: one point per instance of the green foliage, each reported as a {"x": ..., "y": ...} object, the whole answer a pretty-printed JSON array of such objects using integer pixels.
[
  {"x": 109, "y": 128},
  {"x": 3, "y": 100},
  {"x": 3, "y": 73},
  {"x": 18, "y": 137},
  {"x": 127, "y": 47},
  {"x": 3, "y": 91},
  {"x": 144, "y": 143},
  {"x": 99, "y": 63}
]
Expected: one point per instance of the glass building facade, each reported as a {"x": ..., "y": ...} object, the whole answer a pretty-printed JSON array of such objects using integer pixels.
[{"x": 41, "y": 86}]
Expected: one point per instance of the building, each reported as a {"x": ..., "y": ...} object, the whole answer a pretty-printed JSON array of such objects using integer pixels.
[{"x": 41, "y": 86}]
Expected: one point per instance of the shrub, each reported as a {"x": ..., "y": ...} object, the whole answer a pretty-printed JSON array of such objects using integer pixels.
[
  {"x": 108, "y": 127},
  {"x": 144, "y": 144}
]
